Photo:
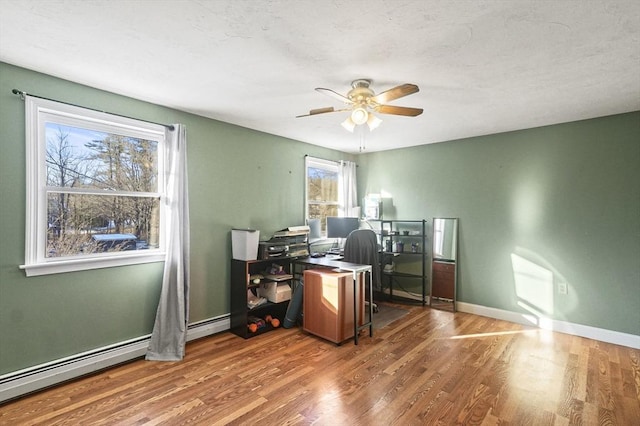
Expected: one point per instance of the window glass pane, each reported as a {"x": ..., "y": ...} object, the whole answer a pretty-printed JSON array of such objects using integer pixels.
[
  {"x": 84, "y": 224},
  {"x": 323, "y": 185},
  {"x": 322, "y": 190},
  {"x": 90, "y": 159}
]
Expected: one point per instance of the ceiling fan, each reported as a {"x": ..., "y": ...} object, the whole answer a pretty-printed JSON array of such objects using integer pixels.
[{"x": 363, "y": 102}]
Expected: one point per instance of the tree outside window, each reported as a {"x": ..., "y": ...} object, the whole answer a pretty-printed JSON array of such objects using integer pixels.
[
  {"x": 322, "y": 190},
  {"x": 97, "y": 164}
]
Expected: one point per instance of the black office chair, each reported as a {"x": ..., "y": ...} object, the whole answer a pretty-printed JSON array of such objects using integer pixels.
[{"x": 361, "y": 247}]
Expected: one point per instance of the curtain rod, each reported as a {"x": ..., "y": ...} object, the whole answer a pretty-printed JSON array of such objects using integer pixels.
[
  {"x": 330, "y": 161},
  {"x": 22, "y": 94}
]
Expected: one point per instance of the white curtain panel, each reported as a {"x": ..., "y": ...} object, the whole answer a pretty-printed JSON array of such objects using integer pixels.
[
  {"x": 348, "y": 189},
  {"x": 169, "y": 335}
]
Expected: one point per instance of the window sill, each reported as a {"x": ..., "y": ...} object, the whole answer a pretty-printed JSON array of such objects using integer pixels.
[{"x": 72, "y": 265}]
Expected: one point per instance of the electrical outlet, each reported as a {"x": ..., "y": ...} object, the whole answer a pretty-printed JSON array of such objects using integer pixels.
[{"x": 562, "y": 288}]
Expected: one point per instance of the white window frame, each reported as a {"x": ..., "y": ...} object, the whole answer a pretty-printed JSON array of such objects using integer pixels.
[
  {"x": 319, "y": 163},
  {"x": 39, "y": 111}
]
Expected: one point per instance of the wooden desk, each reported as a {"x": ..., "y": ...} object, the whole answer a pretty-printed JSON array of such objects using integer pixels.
[{"x": 355, "y": 269}]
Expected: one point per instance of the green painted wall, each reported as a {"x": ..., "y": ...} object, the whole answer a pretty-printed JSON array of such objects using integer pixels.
[
  {"x": 237, "y": 178},
  {"x": 563, "y": 201},
  {"x": 565, "y": 198}
]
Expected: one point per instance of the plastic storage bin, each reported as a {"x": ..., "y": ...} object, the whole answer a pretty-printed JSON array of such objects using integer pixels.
[{"x": 244, "y": 243}]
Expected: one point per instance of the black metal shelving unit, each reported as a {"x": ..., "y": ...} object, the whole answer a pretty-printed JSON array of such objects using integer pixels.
[{"x": 400, "y": 240}]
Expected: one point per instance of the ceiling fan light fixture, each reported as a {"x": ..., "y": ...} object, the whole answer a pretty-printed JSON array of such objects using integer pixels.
[
  {"x": 373, "y": 122},
  {"x": 362, "y": 102},
  {"x": 348, "y": 124},
  {"x": 359, "y": 116}
]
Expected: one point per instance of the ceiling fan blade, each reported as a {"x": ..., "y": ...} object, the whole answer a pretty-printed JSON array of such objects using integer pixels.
[
  {"x": 395, "y": 93},
  {"x": 398, "y": 110},
  {"x": 321, "y": 111},
  {"x": 334, "y": 94}
]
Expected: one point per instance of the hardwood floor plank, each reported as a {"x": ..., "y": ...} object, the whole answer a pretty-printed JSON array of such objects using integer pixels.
[
  {"x": 569, "y": 384},
  {"x": 477, "y": 406},
  {"x": 576, "y": 416},
  {"x": 634, "y": 365},
  {"x": 605, "y": 394},
  {"x": 430, "y": 367},
  {"x": 581, "y": 377},
  {"x": 241, "y": 410}
]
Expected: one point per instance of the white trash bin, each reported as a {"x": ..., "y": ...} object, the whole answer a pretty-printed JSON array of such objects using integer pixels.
[{"x": 244, "y": 243}]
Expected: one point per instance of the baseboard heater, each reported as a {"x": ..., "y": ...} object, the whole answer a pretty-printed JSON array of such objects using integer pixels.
[{"x": 22, "y": 382}]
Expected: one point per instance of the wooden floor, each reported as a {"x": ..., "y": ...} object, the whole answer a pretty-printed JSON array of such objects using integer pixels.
[{"x": 429, "y": 367}]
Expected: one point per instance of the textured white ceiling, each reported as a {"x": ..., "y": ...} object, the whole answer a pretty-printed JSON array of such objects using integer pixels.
[{"x": 482, "y": 66}]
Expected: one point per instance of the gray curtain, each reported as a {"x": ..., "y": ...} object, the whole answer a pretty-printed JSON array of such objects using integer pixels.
[
  {"x": 169, "y": 335},
  {"x": 348, "y": 189}
]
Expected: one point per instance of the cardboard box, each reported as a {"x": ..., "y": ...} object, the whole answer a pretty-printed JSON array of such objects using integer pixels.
[{"x": 275, "y": 292}]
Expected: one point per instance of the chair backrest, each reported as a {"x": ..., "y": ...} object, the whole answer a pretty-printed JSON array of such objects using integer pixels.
[{"x": 361, "y": 247}]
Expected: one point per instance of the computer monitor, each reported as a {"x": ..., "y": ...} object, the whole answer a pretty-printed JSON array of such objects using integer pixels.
[
  {"x": 315, "y": 230},
  {"x": 341, "y": 227}
]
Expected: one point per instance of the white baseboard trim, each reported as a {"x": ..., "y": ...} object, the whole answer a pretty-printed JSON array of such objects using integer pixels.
[
  {"x": 609, "y": 336},
  {"x": 22, "y": 382}
]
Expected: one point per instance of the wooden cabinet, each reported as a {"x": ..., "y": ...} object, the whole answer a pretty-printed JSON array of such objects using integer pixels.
[
  {"x": 443, "y": 280},
  {"x": 328, "y": 304},
  {"x": 242, "y": 284}
]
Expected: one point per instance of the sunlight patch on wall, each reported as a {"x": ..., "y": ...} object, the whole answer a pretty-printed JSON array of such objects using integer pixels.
[
  {"x": 553, "y": 294},
  {"x": 533, "y": 285}
]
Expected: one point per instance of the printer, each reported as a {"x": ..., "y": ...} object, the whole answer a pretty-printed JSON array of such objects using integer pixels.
[{"x": 272, "y": 249}]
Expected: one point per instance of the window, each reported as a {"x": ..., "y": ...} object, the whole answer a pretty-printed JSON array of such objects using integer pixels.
[
  {"x": 322, "y": 195},
  {"x": 94, "y": 189}
]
